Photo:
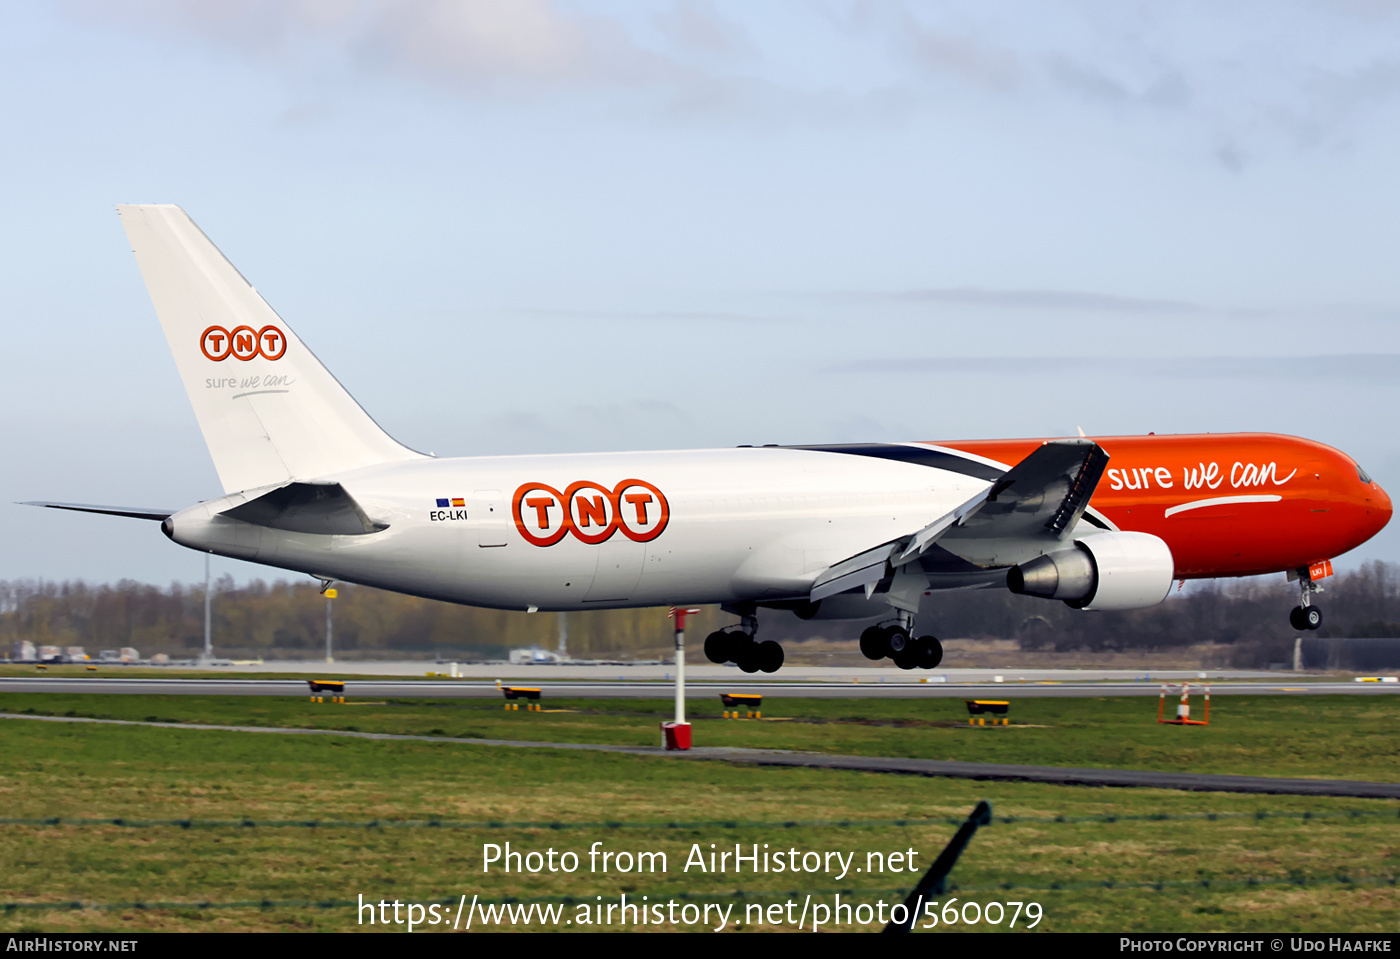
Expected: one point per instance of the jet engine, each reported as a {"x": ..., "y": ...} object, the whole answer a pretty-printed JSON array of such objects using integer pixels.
[{"x": 1103, "y": 571}]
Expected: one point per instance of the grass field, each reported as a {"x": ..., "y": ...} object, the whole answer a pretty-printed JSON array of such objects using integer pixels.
[
  {"x": 1346, "y": 865},
  {"x": 1332, "y": 737}
]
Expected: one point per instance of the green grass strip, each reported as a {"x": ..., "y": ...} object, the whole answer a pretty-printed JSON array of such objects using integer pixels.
[{"x": 1162, "y": 886}]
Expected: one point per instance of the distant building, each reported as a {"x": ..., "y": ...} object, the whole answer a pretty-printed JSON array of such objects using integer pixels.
[
  {"x": 50, "y": 654},
  {"x": 75, "y": 654},
  {"x": 129, "y": 655},
  {"x": 533, "y": 656},
  {"x": 25, "y": 651}
]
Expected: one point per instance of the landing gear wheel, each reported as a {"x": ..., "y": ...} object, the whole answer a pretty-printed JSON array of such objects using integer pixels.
[
  {"x": 872, "y": 643},
  {"x": 718, "y": 648},
  {"x": 1295, "y": 618},
  {"x": 1312, "y": 617},
  {"x": 896, "y": 640},
  {"x": 907, "y": 658},
  {"x": 930, "y": 652},
  {"x": 769, "y": 656},
  {"x": 744, "y": 652}
]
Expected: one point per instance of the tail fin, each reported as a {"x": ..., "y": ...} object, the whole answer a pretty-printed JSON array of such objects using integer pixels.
[{"x": 269, "y": 411}]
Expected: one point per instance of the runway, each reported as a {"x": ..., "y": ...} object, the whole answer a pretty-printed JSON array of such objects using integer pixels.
[{"x": 660, "y": 689}]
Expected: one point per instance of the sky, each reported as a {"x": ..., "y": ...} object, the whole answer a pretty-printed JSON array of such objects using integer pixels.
[{"x": 518, "y": 226}]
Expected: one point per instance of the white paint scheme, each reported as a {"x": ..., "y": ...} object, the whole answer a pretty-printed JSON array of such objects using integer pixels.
[{"x": 746, "y": 526}]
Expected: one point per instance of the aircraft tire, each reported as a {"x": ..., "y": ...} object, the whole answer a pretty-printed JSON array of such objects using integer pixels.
[
  {"x": 930, "y": 652},
  {"x": 744, "y": 652},
  {"x": 718, "y": 648},
  {"x": 872, "y": 643},
  {"x": 1295, "y": 618},
  {"x": 1312, "y": 617},
  {"x": 769, "y": 656},
  {"x": 908, "y": 657},
  {"x": 897, "y": 640}
]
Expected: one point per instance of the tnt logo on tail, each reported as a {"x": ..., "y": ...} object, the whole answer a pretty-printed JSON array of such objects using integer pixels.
[{"x": 243, "y": 343}]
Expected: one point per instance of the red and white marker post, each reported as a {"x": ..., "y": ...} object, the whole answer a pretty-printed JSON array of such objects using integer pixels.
[{"x": 676, "y": 734}]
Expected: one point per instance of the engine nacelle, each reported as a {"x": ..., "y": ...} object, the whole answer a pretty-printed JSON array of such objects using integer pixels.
[{"x": 1102, "y": 571}]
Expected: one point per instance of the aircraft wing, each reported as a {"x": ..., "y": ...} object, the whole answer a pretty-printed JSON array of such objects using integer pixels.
[
  {"x": 1030, "y": 506},
  {"x": 135, "y": 512},
  {"x": 1040, "y": 497}
]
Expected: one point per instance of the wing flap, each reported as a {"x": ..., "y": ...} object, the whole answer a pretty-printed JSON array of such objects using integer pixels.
[{"x": 864, "y": 569}]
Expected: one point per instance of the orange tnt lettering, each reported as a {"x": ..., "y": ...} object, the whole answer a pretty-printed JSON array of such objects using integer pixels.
[
  {"x": 591, "y": 512},
  {"x": 541, "y": 505},
  {"x": 243, "y": 343},
  {"x": 639, "y": 501}
]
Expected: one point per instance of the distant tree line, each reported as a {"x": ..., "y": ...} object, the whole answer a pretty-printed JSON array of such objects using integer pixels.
[
  {"x": 288, "y": 619},
  {"x": 283, "y": 619}
]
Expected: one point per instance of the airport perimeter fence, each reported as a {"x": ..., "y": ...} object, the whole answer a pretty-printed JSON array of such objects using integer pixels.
[{"x": 1296, "y": 878}]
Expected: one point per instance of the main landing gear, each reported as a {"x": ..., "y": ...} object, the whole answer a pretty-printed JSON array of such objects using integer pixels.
[
  {"x": 896, "y": 641},
  {"x": 737, "y": 645},
  {"x": 1306, "y": 616}
]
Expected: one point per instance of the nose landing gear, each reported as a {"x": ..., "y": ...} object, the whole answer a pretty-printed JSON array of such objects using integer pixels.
[{"x": 1306, "y": 615}]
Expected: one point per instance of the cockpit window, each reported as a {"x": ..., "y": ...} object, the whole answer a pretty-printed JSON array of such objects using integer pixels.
[{"x": 1362, "y": 473}]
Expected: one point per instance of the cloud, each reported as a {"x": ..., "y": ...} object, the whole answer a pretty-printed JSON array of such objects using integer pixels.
[
  {"x": 467, "y": 45},
  {"x": 966, "y": 58},
  {"x": 1372, "y": 368},
  {"x": 1310, "y": 78},
  {"x": 651, "y": 316},
  {"x": 1034, "y": 300},
  {"x": 1167, "y": 88},
  {"x": 694, "y": 25}
]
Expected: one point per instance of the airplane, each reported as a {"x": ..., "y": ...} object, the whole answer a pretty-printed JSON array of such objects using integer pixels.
[{"x": 845, "y": 532}]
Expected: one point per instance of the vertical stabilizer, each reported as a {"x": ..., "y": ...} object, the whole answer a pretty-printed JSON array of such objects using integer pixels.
[{"x": 269, "y": 411}]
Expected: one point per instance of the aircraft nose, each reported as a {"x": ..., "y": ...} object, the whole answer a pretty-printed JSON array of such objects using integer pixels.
[{"x": 1378, "y": 507}]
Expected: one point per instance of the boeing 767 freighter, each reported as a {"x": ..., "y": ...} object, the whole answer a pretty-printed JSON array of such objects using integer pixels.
[{"x": 312, "y": 484}]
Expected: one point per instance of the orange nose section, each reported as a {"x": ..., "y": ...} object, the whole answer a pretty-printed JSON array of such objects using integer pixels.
[{"x": 1378, "y": 508}]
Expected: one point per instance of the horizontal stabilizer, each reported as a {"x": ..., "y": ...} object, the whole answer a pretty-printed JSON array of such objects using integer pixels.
[
  {"x": 324, "y": 509},
  {"x": 135, "y": 512}
]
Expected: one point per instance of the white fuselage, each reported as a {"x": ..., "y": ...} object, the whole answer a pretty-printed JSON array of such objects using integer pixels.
[{"x": 706, "y": 526}]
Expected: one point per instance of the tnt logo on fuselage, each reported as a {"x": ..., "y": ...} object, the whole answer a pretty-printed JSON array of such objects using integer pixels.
[
  {"x": 589, "y": 511},
  {"x": 243, "y": 343}
]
